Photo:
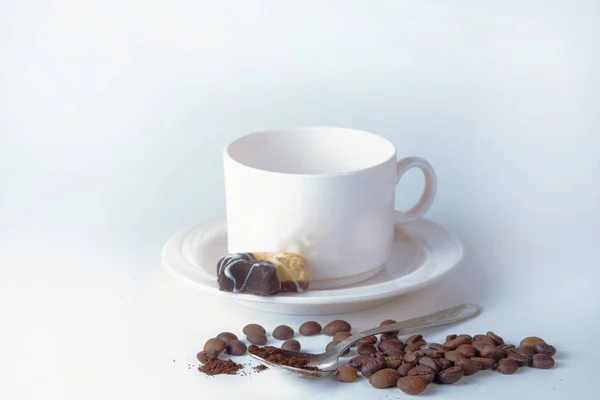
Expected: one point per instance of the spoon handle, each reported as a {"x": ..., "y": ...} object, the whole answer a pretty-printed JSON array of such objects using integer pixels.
[{"x": 447, "y": 316}]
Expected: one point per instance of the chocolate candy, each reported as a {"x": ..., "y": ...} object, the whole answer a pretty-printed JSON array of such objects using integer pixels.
[
  {"x": 236, "y": 273},
  {"x": 291, "y": 270}
]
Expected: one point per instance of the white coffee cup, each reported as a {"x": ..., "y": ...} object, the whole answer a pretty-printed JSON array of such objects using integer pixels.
[{"x": 325, "y": 193}]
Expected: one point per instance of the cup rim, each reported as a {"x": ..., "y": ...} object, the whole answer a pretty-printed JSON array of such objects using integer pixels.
[{"x": 227, "y": 154}]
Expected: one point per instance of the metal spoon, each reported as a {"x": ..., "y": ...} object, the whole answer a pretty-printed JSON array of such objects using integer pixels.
[{"x": 327, "y": 363}]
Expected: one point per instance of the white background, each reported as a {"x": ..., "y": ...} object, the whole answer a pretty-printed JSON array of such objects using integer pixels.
[{"x": 113, "y": 115}]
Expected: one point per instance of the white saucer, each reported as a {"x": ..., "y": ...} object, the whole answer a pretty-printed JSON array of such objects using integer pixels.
[{"x": 423, "y": 253}]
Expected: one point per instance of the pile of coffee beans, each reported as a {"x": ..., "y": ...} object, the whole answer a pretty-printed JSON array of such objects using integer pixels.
[{"x": 410, "y": 364}]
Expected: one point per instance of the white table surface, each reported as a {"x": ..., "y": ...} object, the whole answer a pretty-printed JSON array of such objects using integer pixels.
[{"x": 112, "y": 120}]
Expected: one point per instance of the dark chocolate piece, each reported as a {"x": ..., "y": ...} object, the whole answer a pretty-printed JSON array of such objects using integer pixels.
[{"x": 237, "y": 273}]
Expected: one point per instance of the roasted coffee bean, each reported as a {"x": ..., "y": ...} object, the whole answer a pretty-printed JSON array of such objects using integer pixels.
[
  {"x": 283, "y": 332},
  {"x": 214, "y": 344},
  {"x": 469, "y": 367},
  {"x": 412, "y": 384},
  {"x": 486, "y": 363},
  {"x": 368, "y": 339},
  {"x": 507, "y": 366},
  {"x": 459, "y": 340},
  {"x": 493, "y": 352},
  {"x": 424, "y": 372},
  {"x": 346, "y": 374},
  {"x": 412, "y": 347},
  {"x": 429, "y": 362},
  {"x": 484, "y": 338},
  {"x": 357, "y": 362},
  {"x": 366, "y": 348},
  {"x": 253, "y": 328},
  {"x": 404, "y": 368},
  {"x": 542, "y": 361},
  {"x": 388, "y": 345},
  {"x": 544, "y": 348},
  {"x": 389, "y": 322},
  {"x": 384, "y": 378},
  {"x": 206, "y": 356},
  {"x": 372, "y": 366},
  {"x": 336, "y": 326},
  {"x": 416, "y": 339},
  {"x": 527, "y": 350},
  {"x": 478, "y": 345},
  {"x": 443, "y": 363},
  {"x": 450, "y": 375},
  {"x": 498, "y": 341},
  {"x": 507, "y": 347},
  {"x": 393, "y": 361},
  {"x": 410, "y": 357},
  {"x": 395, "y": 352},
  {"x": 531, "y": 341},
  {"x": 437, "y": 346},
  {"x": 257, "y": 338},
  {"x": 453, "y": 355},
  {"x": 310, "y": 328},
  {"x": 433, "y": 353},
  {"x": 334, "y": 343},
  {"x": 236, "y": 348},
  {"x": 226, "y": 337},
  {"x": 341, "y": 336},
  {"x": 467, "y": 350},
  {"x": 291, "y": 344},
  {"x": 450, "y": 337},
  {"x": 518, "y": 356},
  {"x": 388, "y": 336}
]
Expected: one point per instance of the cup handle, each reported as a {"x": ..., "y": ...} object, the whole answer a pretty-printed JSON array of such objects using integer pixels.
[{"x": 429, "y": 190}]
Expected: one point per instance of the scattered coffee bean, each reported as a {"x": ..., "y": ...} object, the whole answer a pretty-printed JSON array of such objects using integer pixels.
[
  {"x": 388, "y": 336},
  {"x": 341, "y": 336},
  {"x": 521, "y": 358},
  {"x": 486, "y": 363},
  {"x": 236, "y": 348},
  {"x": 450, "y": 337},
  {"x": 372, "y": 366},
  {"x": 366, "y": 348},
  {"x": 368, "y": 339},
  {"x": 412, "y": 384},
  {"x": 416, "y": 339},
  {"x": 531, "y": 341},
  {"x": 494, "y": 352},
  {"x": 507, "y": 366},
  {"x": 433, "y": 353},
  {"x": 527, "y": 350},
  {"x": 453, "y": 355},
  {"x": 459, "y": 340},
  {"x": 214, "y": 344},
  {"x": 469, "y": 367},
  {"x": 395, "y": 352},
  {"x": 394, "y": 361},
  {"x": 498, "y": 341},
  {"x": 467, "y": 350},
  {"x": 412, "y": 347},
  {"x": 291, "y": 344},
  {"x": 257, "y": 337},
  {"x": 384, "y": 378},
  {"x": 226, "y": 337},
  {"x": 283, "y": 332},
  {"x": 336, "y": 326},
  {"x": 206, "y": 356},
  {"x": 484, "y": 338},
  {"x": 429, "y": 362},
  {"x": 388, "y": 345},
  {"x": 424, "y": 372},
  {"x": 253, "y": 328},
  {"x": 357, "y": 362},
  {"x": 544, "y": 348},
  {"x": 346, "y": 374},
  {"x": 479, "y": 346},
  {"x": 411, "y": 357},
  {"x": 507, "y": 347},
  {"x": 443, "y": 363},
  {"x": 310, "y": 328},
  {"x": 437, "y": 346},
  {"x": 450, "y": 375},
  {"x": 405, "y": 368},
  {"x": 542, "y": 361},
  {"x": 389, "y": 322}
]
